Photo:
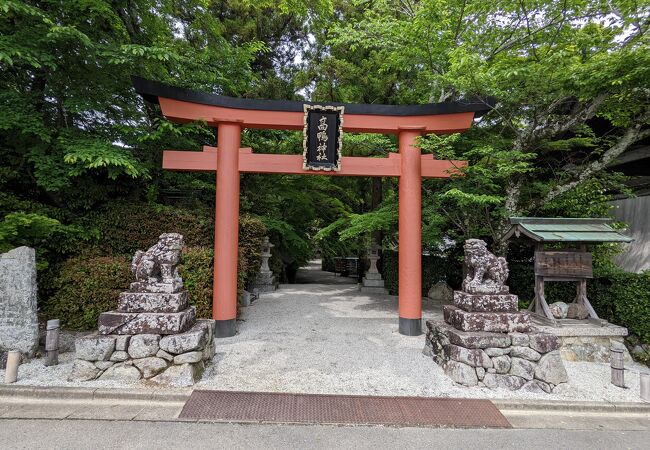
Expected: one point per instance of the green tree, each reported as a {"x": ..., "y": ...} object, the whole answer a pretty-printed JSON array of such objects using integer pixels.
[{"x": 570, "y": 79}]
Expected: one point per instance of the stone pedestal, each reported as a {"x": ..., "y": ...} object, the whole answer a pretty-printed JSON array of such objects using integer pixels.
[
  {"x": 18, "y": 290},
  {"x": 372, "y": 281},
  {"x": 485, "y": 340},
  {"x": 512, "y": 361},
  {"x": 265, "y": 281},
  {"x": 154, "y": 333}
]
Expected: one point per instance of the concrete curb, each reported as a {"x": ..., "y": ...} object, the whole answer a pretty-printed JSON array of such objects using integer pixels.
[
  {"x": 105, "y": 394},
  {"x": 182, "y": 395},
  {"x": 572, "y": 406}
]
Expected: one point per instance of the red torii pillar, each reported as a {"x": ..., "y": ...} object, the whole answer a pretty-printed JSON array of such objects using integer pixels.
[{"x": 231, "y": 115}]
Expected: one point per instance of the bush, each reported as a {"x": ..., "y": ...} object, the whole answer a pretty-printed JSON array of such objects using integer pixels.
[
  {"x": 197, "y": 271},
  {"x": 623, "y": 298},
  {"x": 197, "y": 266},
  {"x": 125, "y": 227},
  {"x": 251, "y": 235},
  {"x": 87, "y": 286},
  {"x": 434, "y": 269}
]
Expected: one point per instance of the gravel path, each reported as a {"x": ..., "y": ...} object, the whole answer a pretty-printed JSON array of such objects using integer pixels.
[{"x": 332, "y": 339}]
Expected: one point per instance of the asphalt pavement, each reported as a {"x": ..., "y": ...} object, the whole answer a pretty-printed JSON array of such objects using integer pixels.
[{"x": 95, "y": 434}]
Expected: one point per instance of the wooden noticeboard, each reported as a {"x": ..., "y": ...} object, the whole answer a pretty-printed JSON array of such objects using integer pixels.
[
  {"x": 563, "y": 264},
  {"x": 322, "y": 137}
]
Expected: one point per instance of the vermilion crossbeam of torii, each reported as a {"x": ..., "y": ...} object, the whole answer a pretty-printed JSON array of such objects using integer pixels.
[
  {"x": 250, "y": 162},
  {"x": 231, "y": 115}
]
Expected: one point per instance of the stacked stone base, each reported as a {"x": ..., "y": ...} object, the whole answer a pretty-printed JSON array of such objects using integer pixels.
[
  {"x": 171, "y": 360},
  {"x": 527, "y": 361},
  {"x": 373, "y": 284},
  {"x": 265, "y": 282}
]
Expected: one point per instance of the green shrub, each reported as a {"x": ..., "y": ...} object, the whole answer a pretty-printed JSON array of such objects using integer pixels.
[
  {"x": 434, "y": 269},
  {"x": 125, "y": 227},
  {"x": 197, "y": 265},
  {"x": 623, "y": 298},
  {"x": 197, "y": 271},
  {"x": 251, "y": 235},
  {"x": 87, "y": 286}
]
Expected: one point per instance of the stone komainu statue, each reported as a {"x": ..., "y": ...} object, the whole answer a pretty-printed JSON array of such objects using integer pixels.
[
  {"x": 486, "y": 273},
  {"x": 159, "y": 263}
]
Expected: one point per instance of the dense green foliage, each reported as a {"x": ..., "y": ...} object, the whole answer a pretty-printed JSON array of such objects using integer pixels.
[
  {"x": 80, "y": 151},
  {"x": 434, "y": 269},
  {"x": 86, "y": 286}
]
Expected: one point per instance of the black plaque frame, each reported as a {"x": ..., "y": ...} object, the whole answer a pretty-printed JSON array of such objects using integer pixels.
[{"x": 334, "y": 143}]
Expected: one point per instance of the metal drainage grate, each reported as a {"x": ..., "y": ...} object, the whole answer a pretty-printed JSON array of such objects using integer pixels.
[{"x": 229, "y": 406}]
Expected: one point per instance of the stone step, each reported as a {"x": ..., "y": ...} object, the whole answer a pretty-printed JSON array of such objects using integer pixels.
[
  {"x": 115, "y": 322},
  {"x": 374, "y": 290},
  {"x": 373, "y": 283},
  {"x": 137, "y": 302},
  {"x": 487, "y": 321},
  {"x": 486, "y": 302},
  {"x": 373, "y": 276}
]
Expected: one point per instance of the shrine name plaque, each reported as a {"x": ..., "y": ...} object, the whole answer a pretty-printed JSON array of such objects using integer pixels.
[
  {"x": 322, "y": 137},
  {"x": 564, "y": 264}
]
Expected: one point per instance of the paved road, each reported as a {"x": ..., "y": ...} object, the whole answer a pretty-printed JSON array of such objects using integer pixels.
[{"x": 92, "y": 434}]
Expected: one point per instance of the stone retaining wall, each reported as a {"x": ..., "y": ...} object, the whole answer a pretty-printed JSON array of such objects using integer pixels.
[
  {"x": 527, "y": 361},
  {"x": 172, "y": 360}
]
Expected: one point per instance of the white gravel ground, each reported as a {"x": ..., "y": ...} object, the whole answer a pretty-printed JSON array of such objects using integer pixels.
[{"x": 332, "y": 339}]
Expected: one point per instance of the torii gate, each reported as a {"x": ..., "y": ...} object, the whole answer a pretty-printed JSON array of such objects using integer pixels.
[{"x": 231, "y": 115}]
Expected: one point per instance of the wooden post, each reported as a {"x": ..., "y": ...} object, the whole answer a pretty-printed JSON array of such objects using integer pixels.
[
  {"x": 13, "y": 361},
  {"x": 410, "y": 234},
  {"x": 226, "y": 239},
  {"x": 52, "y": 343},
  {"x": 618, "y": 369}
]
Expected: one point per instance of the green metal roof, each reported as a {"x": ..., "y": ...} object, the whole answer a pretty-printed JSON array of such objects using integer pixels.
[{"x": 552, "y": 229}]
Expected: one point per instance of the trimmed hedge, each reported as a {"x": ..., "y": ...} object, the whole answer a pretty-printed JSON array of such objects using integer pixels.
[
  {"x": 624, "y": 299},
  {"x": 197, "y": 266},
  {"x": 86, "y": 286},
  {"x": 434, "y": 269},
  {"x": 196, "y": 269},
  {"x": 125, "y": 227}
]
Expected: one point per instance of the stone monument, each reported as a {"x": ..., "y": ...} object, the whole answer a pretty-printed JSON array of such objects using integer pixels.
[
  {"x": 153, "y": 333},
  {"x": 265, "y": 281},
  {"x": 485, "y": 340},
  {"x": 372, "y": 281},
  {"x": 18, "y": 293}
]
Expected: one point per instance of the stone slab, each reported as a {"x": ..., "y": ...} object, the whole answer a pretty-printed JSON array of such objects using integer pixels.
[
  {"x": 161, "y": 288},
  {"x": 584, "y": 329},
  {"x": 94, "y": 347},
  {"x": 373, "y": 276},
  {"x": 485, "y": 321},
  {"x": 192, "y": 340},
  {"x": 474, "y": 339},
  {"x": 474, "y": 357},
  {"x": 369, "y": 282},
  {"x": 115, "y": 322},
  {"x": 373, "y": 290},
  {"x": 18, "y": 293},
  {"x": 486, "y": 302},
  {"x": 152, "y": 302},
  {"x": 264, "y": 287}
]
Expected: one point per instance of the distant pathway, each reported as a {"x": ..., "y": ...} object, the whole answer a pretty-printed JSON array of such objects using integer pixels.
[{"x": 313, "y": 274}]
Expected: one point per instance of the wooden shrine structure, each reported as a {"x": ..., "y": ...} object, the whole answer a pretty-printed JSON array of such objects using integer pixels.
[
  {"x": 231, "y": 115},
  {"x": 570, "y": 263}
]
